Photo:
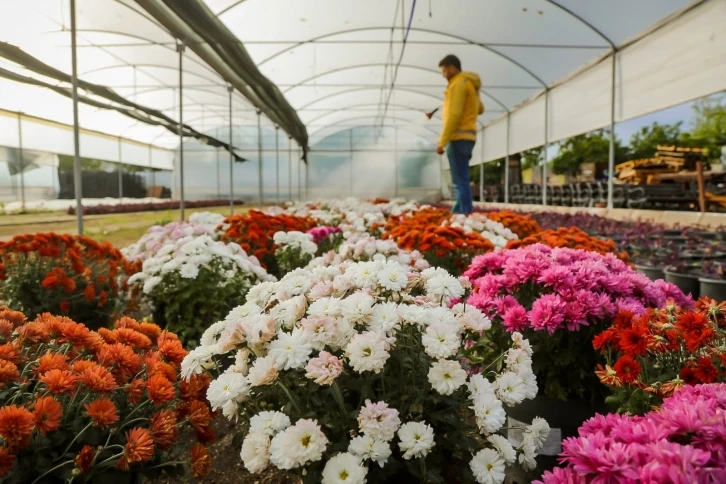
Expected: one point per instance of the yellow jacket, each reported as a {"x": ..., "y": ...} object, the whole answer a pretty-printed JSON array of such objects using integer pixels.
[{"x": 462, "y": 106}]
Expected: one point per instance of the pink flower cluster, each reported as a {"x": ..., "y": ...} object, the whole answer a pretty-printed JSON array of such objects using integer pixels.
[
  {"x": 160, "y": 235},
  {"x": 682, "y": 443},
  {"x": 546, "y": 289},
  {"x": 322, "y": 233}
]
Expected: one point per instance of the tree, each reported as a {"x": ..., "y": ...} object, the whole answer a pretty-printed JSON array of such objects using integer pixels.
[
  {"x": 644, "y": 143},
  {"x": 591, "y": 147},
  {"x": 709, "y": 127},
  {"x": 532, "y": 158},
  {"x": 493, "y": 172}
]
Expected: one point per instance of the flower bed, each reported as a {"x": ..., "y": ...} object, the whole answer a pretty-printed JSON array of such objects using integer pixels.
[
  {"x": 65, "y": 274},
  {"x": 150, "y": 206},
  {"x": 520, "y": 224},
  {"x": 364, "y": 379},
  {"x": 560, "y": 298},
  {"x": 574, "y": 238},
  {"x": 90, "y": 407},
  {"x": 681, "y": 443},
  {"x": 652, "y": 355}
]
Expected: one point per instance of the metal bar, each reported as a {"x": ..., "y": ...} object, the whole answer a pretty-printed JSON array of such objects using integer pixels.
[
  {"x": 22, "y": 163},
  {"x": 546, "y": 145},
  {"x": 77, "y": 180},
  {"x": 307, "y": 181},
  {"x": 180, "y": 50},
  {"x": 395, "y": 161},
  {"x": 277, "y": 164},
  {"x": 259, "y": 155},
  {"x": 231, "y": 158},
  {"x": 350, "y": 153},
  {"x": 421, "y": 42},
  {"x": 219, "y": 182},
  {"x": 701, "y": 187},
  {"x": 299, "y": 183},
  {"x": 289, "y": 167},
  {"x": 481, "y": 170},
  {"x": 120, "y": 174},
  {"x": 611, "y": 154},
  {"x": 506, "y": 166}
]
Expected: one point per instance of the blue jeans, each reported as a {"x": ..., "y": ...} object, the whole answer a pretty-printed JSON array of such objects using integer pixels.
[{"x": 459, "y": 153}]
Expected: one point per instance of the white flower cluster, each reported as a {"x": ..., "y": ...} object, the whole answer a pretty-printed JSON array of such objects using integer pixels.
[
  {"x": 158, "y": 236},
  {"x": 296, "y": 241},
  {"x": 187, "y": 255},
  {"x": 209, "y": 219},
  {"x": 364, "y": 247},
  {"x": 497, "y": 233},
  {"x": 354, "y": 319}
]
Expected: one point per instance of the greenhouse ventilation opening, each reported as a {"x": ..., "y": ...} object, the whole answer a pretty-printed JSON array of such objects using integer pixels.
[{"x": 358, "y": 77}]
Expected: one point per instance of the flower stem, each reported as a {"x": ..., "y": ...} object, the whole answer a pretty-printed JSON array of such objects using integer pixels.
[
  {"x": 338, "y": 396},
  {"x": 53, "y": 469},
  {"x": 289, "y": 395},
  {"x": 76, "y": 438}
]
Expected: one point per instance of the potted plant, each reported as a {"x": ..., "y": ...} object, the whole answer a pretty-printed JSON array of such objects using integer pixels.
[{"x": 712, "y": 282}]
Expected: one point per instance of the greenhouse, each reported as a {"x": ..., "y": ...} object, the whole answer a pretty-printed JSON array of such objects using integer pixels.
[{"x": 410, "y": 241}]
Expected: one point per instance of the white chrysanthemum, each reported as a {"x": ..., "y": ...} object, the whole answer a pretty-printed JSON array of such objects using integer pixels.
[
  {"x": 358, "y": 307},
  {"x": 269, "y": 423},
  {"x": 211, "y": 334},
  {"x": 385, "y": 318},
  {"x": 490, "y": 415},
  {"x": 364, "y": 274},
  {"x": 478, "y": 384},
  {"x": 151, "y": 283},
  {"x": 238, "y": 313},
  {"x": 518, "y": 360},
  {"x": 287, "y": 313},
  {"x": 344, "y": 468},
  {"x": 229, "y": 386},
  {"x": 258, "y": 329},
  {"x": 433, "y": 272},
  {"x": 378, "y": 420},
  {"x": 444, "y": 285},
  {"x": 367, "y": 447},
  {"x": 367, "y": 352},
  {"x": 539, "y": 430},
  {"x": 510, "y": 388},
  {"x": 297, "y": 445},
  {"x": 256, "y": 452},
  {"x": 326, "y": 306},
  {"x": 233, "y": 334},
  {"x": 504, "y": 448},
  {"x": 411, "y": 314},
  {"x": 261, "y": 293},
  {"x": 290, "y": 350},
  {"x": 440, "y": 314},
  {"x": 528, "y": 453},
  {"x": 393, "y": 276},
  {"x": 446, "y": 376},
  {"x": 264, "y": 371},
  {"x": 488, "y": 467},
  {"x": 521, "y": 343},
  {"x": 530, "y": 383},
  {"x": 471, "y": 318},
  {"x": 416, "y": 439},
  {"x": 195, "y": 361},
  {"x": 241, "y": 362},
  {"x": 441, "y": 340}
]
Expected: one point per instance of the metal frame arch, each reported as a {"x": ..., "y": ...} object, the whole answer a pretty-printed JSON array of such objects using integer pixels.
[
  {"x": 584, "y": 22},
  {"x": 348, "y": 91},
  {"x": 355, "y": 118},
  {"x": 156, "y": 66}
]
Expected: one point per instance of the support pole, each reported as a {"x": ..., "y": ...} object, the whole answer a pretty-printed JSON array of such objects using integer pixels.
[
  {"x": 299, "y": 175},
  {"x": 611, "y": 155},
  {"x": 219, "y": 182},
  {"x": 76, "y": 138},
  {"x": 22, "y": 163},
  {"x": 307, "y": 181},
  {"x": 259, "y": 155},
  {"x": 289, "y": 167},
  {"x": 546, "y": 145},
  {"x": 395, "y": 161},
  {"x": 120, "y": 174},
  {"x": 231, "y": 158},
  {"x": 506, "y": 166},
  {"x": 277, "y": 164},
  {"x": 180, "y": 50},
  {"x": 481, "y": 170},
  {"x": 701, "y": 187},
  {"x": 350, "y": 146}
]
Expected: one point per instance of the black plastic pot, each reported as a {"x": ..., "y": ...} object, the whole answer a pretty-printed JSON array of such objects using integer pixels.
[
  {"x": 688, "y": 283},
  {"x": 678, "y": 239},
  {"x": 704, "y": 235},
  {"x": 700, "y": 254},
  {"x": 653, "y": 273},
  {"x": 671, "y": 232},
  {"x": 713, "y": 288}
]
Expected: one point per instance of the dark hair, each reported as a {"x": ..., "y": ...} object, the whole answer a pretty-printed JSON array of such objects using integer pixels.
[{"x": 450, "y": 60}]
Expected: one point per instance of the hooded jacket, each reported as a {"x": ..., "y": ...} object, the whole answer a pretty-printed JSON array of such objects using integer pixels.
[{"x": 462, "y": 106}]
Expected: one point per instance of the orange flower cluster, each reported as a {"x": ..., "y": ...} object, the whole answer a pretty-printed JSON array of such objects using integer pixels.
[
  {"x": 522, "y": 225},
  {"x": 71, "y": 388},
  {"x": 254, "y": 231},
  {"x": 573, "y": 238},
  {"x": 68, "y": 274},
  {"x": 447, "y": 247},
  {"x": 662, "y": 350}
]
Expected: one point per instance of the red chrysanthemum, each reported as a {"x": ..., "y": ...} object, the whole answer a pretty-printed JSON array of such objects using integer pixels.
[
  {"x": 89, "y": 293},
  {"x": 59, "y": 381},
  {"x": 48, "y": 413},
  {"x": 16, "y": 425},
  {"x": 603, "y": 339},
  {"x": 7, "y": 459},
  {"x": 705, "y": 370},
  {"x": 695, "y": 328},
  {"x": 201, "y": 461},
  {"x": 627, "y": 369},
  {"x": 688, "y": 375},
  {"x": 98, "y": 379},
  {"x": 65, "y": 306},
  {"x": 102, "y": 412},
  {"x": 634, "y": 341},
  {"x": 159, "y": 389},
  {"x": 163, "y": 429},
  {"x": 8, "y": 372},
  {"x": 84, "y": 459}
]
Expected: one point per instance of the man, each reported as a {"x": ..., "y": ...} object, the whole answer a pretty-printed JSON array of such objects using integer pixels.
[{"x": 462, "y": 106}]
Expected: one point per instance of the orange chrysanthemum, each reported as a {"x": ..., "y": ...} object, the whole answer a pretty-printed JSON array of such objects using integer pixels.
[
  {"x": 59, "y": 381},
  {"x": 48, "y": 413},
  {"x": 135, "y": 390},
  {"x": 205, "y": 435},
  {"x": 65, "y": 306},
  {"x": 6, "y": 329},
  {"x": 80, "y": 365},
  {"x": 159, "y": 389},
  {"x": 163, "y": 429},
  {"x": 154, "y": 366},
  {"x": 89, "y": 293},
  {"x": 8, "y": 372},
  {"x": 132, "y": 338},
  {"x": 151, "y": 330},
  {"x": 74, "y": 333},
  {"x": 172, "y": 350},
  {"x": 98, "y": 379},
  {"x": 16, "y": 425},
  {"x": 195, "y": 388},
  {"x": 16, "y": 318},
  {"x": 201, "y": 461},
  {"x": 7, "y": 459},
  {"x": 139, "y": 448},
  {"x": 108, "y": 335},
  {"x": 51, "y": 361},
  {"x": 102, "y": 412},
  {"x": 84, "y": 459},
  {"x": 122, "y": 359},
  {"x": 9, "y": 352},
  {"x": 199, "y": 415}
]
